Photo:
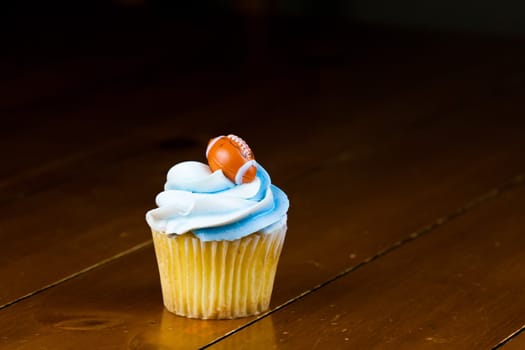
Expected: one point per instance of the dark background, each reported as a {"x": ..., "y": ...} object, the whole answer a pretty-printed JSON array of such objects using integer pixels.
[
  {"x": 36, "y": 26},
  {"x": 78, "y": 44}
]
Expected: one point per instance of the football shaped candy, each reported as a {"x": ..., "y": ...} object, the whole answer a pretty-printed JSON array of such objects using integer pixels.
[{"x": 232, "y": 155}]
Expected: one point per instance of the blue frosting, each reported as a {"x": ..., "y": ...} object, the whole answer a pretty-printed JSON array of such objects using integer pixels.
[
  {"x": 214, "y": 208},
  {"x": 254, "y": 222},
  {"x": 251, "y": 223}
]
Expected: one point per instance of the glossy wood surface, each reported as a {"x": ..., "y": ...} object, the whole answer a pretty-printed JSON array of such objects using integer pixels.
[
  {"x": 515, "y": 341},
  {"x": 431, "y": 293},
  {"x": 405, "y": 177}
]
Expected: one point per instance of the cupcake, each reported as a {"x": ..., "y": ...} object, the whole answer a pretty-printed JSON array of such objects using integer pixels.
[{"x": 218, "y": 232}]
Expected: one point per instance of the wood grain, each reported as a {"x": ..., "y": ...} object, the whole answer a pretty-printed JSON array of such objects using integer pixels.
[
  {"x": 69, "y": 134},
  {"x": 56, "y": 144},
  {"x": 88, "y": 202},
  {"x": 101, "y": 311},
  {"x": 101, "y": 233},
  {"x": 304, "y": 262},
  {"x": 458, "y": 287},
  {"x": 369, "y": 152},
  {"x": 367, "y": 146},
  {"x": 516, "y": 342}
]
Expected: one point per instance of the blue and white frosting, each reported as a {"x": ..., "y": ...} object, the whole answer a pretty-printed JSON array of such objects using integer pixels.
[{"x": 213, "y": 207}]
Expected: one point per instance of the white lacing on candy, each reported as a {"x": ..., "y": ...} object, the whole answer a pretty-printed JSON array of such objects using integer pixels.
[
  {"x": 242, "y": 170},
  {"x": 246, "y": 150},
  {"x": 210, "y": 145}
]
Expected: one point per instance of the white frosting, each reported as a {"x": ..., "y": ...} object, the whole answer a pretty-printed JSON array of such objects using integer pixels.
[
  {"x": 212, "y": 206},
  {"x": 196, "y": 177}
]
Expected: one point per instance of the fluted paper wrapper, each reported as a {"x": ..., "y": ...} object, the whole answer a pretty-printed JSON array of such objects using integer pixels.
[{"x": 218, "y": 279}]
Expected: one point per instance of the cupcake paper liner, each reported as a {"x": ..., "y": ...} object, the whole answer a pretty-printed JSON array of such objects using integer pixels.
[{"x": 218, "y": 279}]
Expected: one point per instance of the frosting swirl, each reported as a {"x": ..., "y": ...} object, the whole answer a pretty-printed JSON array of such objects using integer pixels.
[{"x": 213, "y": 207}]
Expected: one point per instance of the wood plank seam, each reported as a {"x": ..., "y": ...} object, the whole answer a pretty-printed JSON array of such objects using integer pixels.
[
  {"x": 78, "y": 273},
  {"x": 119, "y": 146},
  {"x": 509, "y": 338},
  {"x": 43, "y": 169},
  {"x": 137, "y": 247},
  {"x": 514, "y": 182},
  {"x": 28, "y": 174}
]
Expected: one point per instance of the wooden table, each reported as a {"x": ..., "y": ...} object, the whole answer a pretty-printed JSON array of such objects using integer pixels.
[{"x": 403, "y": 155}]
